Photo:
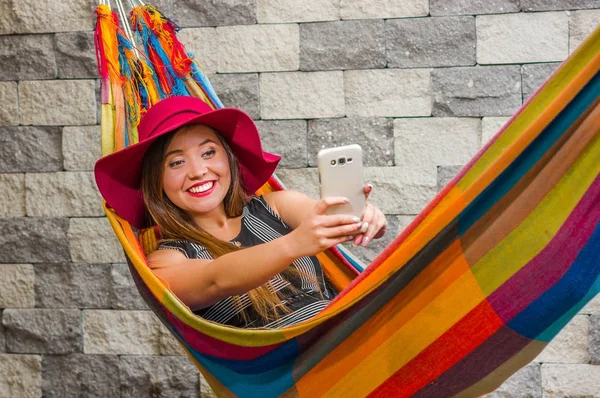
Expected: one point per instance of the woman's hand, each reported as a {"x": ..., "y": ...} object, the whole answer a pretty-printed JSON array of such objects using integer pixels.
[
  {"x": 374, "y": 222},
  {"x": 320, "y": 231}
]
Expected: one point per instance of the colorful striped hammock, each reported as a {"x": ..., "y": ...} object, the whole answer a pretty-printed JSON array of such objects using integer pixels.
[{"x": 473, "y": 290}]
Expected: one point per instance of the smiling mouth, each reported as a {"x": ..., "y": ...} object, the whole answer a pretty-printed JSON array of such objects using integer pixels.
[{"x": 202, "y": 188}]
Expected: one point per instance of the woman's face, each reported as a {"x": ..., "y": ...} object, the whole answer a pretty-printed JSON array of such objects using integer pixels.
[{"x": 196, "y": 174}]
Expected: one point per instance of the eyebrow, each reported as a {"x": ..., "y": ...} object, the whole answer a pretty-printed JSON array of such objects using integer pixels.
[{"x": 206, "y": 141}]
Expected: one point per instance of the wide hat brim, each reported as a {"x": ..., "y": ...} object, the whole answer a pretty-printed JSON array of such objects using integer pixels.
[{"x": 118, "y": 175}]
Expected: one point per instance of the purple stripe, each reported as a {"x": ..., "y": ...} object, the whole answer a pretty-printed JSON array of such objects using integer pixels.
[
  {"x": 550, "y": 264},
  {"x": 495, "y": 351}
]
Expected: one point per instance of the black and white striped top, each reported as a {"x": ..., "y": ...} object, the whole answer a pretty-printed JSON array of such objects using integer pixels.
[{"x": 261, "y": 224}]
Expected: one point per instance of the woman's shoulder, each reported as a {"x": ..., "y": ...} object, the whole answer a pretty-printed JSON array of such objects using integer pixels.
[{"x": 183, "y": 247}]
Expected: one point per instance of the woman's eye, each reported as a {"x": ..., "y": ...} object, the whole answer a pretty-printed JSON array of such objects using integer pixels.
[
  {"x": 209, "y": 153},
  {"x": 175, "y": 163}
]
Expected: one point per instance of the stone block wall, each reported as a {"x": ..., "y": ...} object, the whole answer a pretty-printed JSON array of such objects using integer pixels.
[{"x": 421, "y": 84}]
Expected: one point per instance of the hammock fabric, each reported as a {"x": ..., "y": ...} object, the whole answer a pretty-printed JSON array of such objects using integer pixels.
[{"x": 469, "y": 293}]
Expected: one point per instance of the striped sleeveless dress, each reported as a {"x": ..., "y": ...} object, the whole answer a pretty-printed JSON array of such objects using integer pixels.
[{"x": 261, "y": 224}]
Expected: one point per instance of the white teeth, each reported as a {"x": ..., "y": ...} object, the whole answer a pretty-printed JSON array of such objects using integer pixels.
[{"x": 201, "y": 188}]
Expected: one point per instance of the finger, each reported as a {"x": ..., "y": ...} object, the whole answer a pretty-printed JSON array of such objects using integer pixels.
[
  {"x": 383, "y": 228},
  {"x": 368, "y": 189},
  {"x": 372, "y": 229},
  {"x": 323, "y": 204},
  {"x": 339, "y": 219},
  {"x": 343, "y": 230},
  {"x": 368, "y": 213},
  {"x": 358, "y": 239}
]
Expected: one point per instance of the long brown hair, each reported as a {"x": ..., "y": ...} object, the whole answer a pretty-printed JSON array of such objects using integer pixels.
[{"x": 175, "y": 224}]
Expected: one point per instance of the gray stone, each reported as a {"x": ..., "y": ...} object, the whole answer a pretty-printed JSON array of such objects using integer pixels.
[
  {"x": 445, "y": 174},
  {"x": 58, "y": 102},
  {"x": 24, "y": 57},
  {"x": 31, "y": 16},
  {"x": 2, "y": 338},
  {"x": 159, "y": 377},
  {"x": 93, "y": 241},
  {"x": 570, "y": 380},
  {"x": 570, "y": 345},
  {"x": 239, "y": 91},
  {"x": 81, "y": 147},
  {"x": 526, "y": 383},
  {"x": 79, "y": 375},
  {"x": 205, "y": 390},
  {"x": 375, "y": 135},
  {"x": 203, "y": 44},
  {"x": 124, "y": 291},
  {"x": 75, "y": 55},
  {"x": 490, "y": 126},
  {"x": 534, "y": 75},
  {"x": 34, "y": 240},
  {"x": 20, "y": 375},
  {"x": 286, "y": 138},
  {"x": 278, "y": 11},
  {"x": 472, "y": 7},
  {"x": 30, "y": 149},
  {"x": 342, "y": 45},
  {"x": 581, "y": 24},
  {"x": 64, "y": 194},
  {"x": 595, "y": 339},
  {"x": 418, "y": 42},
  {"x": 43, "y": 331},
  {"x": 69, "y": 285},
  {"x": 16, "y": 286},
  {"x": 476, "y": 91},
  {"x": 189, "y": 13},
  {"x": 302, "y": 180},
  {"x": 9, "y": 104},
  {"x": 361, "y": 9},
  {"x": 546, "y": 5},
  {"x": 12, "y": 200}
]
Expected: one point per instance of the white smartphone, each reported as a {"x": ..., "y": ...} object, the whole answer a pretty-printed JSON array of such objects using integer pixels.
[{"x": 341, "y": 174}]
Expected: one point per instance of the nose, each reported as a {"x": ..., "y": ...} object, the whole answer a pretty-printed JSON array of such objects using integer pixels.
[{"x": 197, "y": 169}]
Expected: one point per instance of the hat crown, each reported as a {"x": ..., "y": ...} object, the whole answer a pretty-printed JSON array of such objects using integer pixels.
[{"x": 170, "y": 114}]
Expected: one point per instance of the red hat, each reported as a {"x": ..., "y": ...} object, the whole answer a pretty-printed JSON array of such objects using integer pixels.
[{"x": 119, "y": 174}]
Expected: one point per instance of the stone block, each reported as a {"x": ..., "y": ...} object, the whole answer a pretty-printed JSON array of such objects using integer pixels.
[
  {"x": 75, "y": 55},
  {"x": 43, "y": 331},
  {"x": 388, "y": 92},
  {"x": 472, "y": 7},
  {"x": 581, "y": 24},
  {"x": 190, "y": 13},
  {"x": 570, "y": 345},
  {"x": 549, "y": 5},
  {"x": 277, "y": 11},
  {"x": 124, "y": 292},
  {"x": 205, "y": 390},
  {"x": 301, "y": 180},
  {"x": 423, "y": 144},
  {"x": 93, "y": 241},
  {"x": 25, "y": 57},
  {"x": 570, "y": 380},
  {"x": 525, "y": 383},
  {"x": 342, "y": 45},
  {"x": 20, "y": 376},
  {"x": 490, "y": 126},
  {"x": 12, "y": 201},
  {"x": 9, "y": 104},
  {"x": 360, "y": 9},
  {"x": 16, "y": 286},
  {"x": 34, "y": 240},
  {"x": 445, "y": 174},
  {"x": 126, "y": 333},
  {"x": 286, "y": 138},
  {"x": 595, "y": 339},
  {"x": 58, "y": 102},
  {"x": 592, "y": 307},
  {"x": 476, "y": 91},
  {"x": 419, "y": 42},
  {"x": 69, "y": 285},
  {"x": 79, "y": 375},
  {"x": 81, "y": 147},
  {"x": 2, "y": 338},
  {"x": 394, "y": 191},
  {"x": 71, "y": 193},
  {"x": 30, "y": 149},
  {"x": 258, "y": 48},
  {"x": 45, "y": 16},
  {"x": 143, "y": 376},
  {"x": 523, "y": 37},
  {"x": 302, "y": 95},
  {"x": 239, "y": 91},
  {"x": 203, "y": 44},
  {"x": 375, "y": 135},
  {"x": 534, "y": 75}
]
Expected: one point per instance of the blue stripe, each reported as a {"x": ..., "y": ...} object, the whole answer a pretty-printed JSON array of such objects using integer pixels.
[{"x": 529, "y": 157}]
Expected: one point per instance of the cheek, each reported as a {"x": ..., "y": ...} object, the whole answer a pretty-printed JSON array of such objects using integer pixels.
[{"x": 171, "y": 180}]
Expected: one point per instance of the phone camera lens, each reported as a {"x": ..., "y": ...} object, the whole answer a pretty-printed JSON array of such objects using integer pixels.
[
  {"x": 333, "y": 162},
  {"x": 342, "y": 161}
]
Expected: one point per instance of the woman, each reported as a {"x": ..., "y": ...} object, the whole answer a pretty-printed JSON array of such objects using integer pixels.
[{"x": 233, "y": 258}]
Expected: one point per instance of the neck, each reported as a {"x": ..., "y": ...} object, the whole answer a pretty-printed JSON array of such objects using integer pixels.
[{"x": 218, "y": 224}]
